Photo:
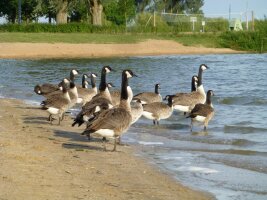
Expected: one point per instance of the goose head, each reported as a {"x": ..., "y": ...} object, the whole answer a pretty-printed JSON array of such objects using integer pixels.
[{"x": 203, "y": 67}]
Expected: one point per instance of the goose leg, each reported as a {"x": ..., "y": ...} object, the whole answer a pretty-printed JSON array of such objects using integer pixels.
[
  {"x": 205, "y": 128},
  {"x": 115, "y": 144},
  {"x": 154, "y": 122},
  {"x": 191, "y": 125},
  {"x": 49, "y": 118},
  {"x": 104, "y": 142},
  {"x": 157, "y": 122}
]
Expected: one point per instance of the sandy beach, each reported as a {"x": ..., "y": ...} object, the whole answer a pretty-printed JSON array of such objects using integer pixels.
[
  {"x": 43, "y": 161},
  {"x": 63, "y": 50}
]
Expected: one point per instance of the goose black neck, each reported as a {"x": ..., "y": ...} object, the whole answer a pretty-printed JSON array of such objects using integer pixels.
[
  {"x": 83, "y": 78},
  {"x": 93, "y": 82},
  {"x": 72, "y": 77},
  {"x": 124, "y": 85},
  {"x": 170, "y": 101},
  {"x": 156, "y": 89},
  {"x": 103, "y": 83},
  {"x": 208, "y": 100},
  {"x": 83, "y": 83},
  {"x": 193, "y": 85},
  {"x": 72, "y": 85},
  {"x": 199, "y": 82}
]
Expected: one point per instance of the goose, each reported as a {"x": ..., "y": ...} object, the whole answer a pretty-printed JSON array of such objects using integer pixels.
[
  {"x": 203, "y": 112},
  {"x": 114, "y": 122},
  {"x": 47, "y": 88},
  {"x": 95, "y": 104},
  {"x": 84, "y": 92},
  {"x": 185, "y": 102},
  {"x": 57, "y": 104},
  {"x": 136, "y": 110},
  {"x": 194, "y": 81},
  {"x": 158, "y": 110},
  {"x": 149, "y": 97}
]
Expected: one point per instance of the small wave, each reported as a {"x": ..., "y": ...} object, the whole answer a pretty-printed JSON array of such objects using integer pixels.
[
  {"x": 243, "y": 129},
  {"x": 198, "y": 169},
  {"x": 243, "y": 101},
  {"x": 150, "y": 143}
]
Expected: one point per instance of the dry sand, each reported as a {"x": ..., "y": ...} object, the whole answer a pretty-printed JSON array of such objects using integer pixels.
[
  {"x": 63, "y": 50},
  {"x": 40, "y": 161}
]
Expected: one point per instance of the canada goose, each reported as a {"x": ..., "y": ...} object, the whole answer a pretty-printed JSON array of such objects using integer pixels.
[
  {"x": 114, "y": 122},
  {"x": 158, "y": 110},
  {"x": 57, "y": 104},
  {"x": 47, "y": 88},
  {"x": 96, "y": 102},
  {"x": 136, "y": 110},
  {"x": 185, "y": 102},
  {"x": 85, "y": 93},
  {"x": 149, "y": 97},
  {"x": 203, "y": 112}
]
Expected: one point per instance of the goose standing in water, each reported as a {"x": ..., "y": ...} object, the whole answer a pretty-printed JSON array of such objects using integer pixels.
[
  {"x": 158, "y": 110},
  {"x": 149, "y": 97},
  {"x": 114, "y": 122},
  {"x": 203, "y": 112},
  {"x": 185, "y": 102}
]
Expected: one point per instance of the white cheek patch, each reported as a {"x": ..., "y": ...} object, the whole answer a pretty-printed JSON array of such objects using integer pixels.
[
  {"x": 60, "y": 88},
  {"x": 93, "y": 75},
  {"x": 107, "y": 70},
  {"x": 74, "y": 72},
  {"x": 203, "y": 67},
  {"x": 66, "y": 80},
  {"x": 39, "y": 92},
  {"x": 97, "y": 109},
  {"x": 128, "y": 74}
]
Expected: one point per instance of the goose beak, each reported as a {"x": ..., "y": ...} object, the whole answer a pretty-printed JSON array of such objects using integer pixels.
[{"x": 134, "y": 75}]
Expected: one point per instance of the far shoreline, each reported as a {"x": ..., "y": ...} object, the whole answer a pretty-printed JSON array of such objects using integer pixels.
[{"x": 91, "y": 50}]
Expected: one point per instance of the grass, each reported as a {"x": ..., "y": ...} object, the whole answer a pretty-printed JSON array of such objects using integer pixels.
[{"x": 207, "y": 40}]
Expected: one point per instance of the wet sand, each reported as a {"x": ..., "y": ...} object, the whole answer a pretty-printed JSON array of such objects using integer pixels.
[
  {"x": 43, "y": 161},
  {"x": 64, "y": 50}
]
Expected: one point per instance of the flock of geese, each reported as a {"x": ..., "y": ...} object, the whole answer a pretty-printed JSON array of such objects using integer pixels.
[{"x": 110, "y": 113}]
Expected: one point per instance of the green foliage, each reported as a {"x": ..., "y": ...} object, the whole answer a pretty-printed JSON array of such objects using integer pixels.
[
  {"x": 250, "y": 41},
  {"x": 61, "y": 28}
]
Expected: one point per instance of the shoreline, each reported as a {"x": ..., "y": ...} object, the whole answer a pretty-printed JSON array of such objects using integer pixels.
[
  {"x": 66, "y": 50},
  {"x": 48, "y": 162}
]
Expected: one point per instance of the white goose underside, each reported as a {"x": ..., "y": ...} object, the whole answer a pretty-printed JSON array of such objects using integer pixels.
[
  {"x": 199, "y": 118},
  {"x": 148, "y": 115},
  {"x": 53, "y": 111},
  {"x": 105, "y": 132},
  {"x": 181, "y": 108}
]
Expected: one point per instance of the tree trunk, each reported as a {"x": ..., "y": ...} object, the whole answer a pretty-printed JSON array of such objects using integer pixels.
[
  {"x": 62, "y": 13},
  {"x": 96, "y": 10}
]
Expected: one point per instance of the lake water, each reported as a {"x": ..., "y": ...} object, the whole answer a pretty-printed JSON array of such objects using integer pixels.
[{"x": 229, "y": 160}]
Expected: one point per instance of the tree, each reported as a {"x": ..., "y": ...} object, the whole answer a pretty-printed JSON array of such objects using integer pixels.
[
  {"x": 95, "y": 8},
  {"x": 9, "y": 10},
  {"x": 126, "y": 9},
  {"x": 29, "y": 10}
]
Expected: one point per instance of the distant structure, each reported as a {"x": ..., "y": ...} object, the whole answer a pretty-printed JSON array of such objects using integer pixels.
[{"x": 235, "y": 25}]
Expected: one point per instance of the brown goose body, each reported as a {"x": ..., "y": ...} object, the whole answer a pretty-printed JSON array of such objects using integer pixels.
[
  {"x": 103, "y": 97},
  {"x": 136, "y": 111},
  {"x": 57, "y": 104},
  {"x": 158, "y": 110},
  {"x": 203, "y": 112},
  {"x": 114, "y": 122},
  {"x": 185, "y": 102},
  {"x": 149, "y": 97},
  {"x": 47, "y": 88}
]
